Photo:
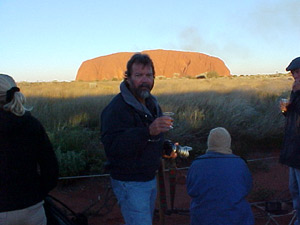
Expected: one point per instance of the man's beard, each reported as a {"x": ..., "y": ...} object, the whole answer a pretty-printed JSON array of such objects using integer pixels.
[{"x": 142, "y": 93}]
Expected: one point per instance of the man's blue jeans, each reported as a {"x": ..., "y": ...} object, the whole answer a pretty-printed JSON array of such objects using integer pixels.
[
  {"x": 294, "y": 185},
  {"x": 136, "y": 200}
]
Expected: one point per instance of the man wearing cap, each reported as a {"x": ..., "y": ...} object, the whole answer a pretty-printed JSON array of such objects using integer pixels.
[{"x": 290, "y": 153}]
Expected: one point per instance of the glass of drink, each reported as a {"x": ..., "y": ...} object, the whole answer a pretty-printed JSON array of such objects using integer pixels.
[
  {"x": 284, "y": 102},
  {"x": 170, "y": 114}
]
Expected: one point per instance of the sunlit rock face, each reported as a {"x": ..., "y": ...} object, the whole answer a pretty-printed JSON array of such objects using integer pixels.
[{"x": 167, "y": 63}]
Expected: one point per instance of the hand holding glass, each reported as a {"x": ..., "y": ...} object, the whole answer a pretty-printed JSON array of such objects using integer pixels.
[
  {"x": 169, "y": 114},
  {"x": 284, "y": 102}
]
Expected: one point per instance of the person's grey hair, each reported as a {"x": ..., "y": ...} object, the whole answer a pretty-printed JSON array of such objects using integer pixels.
[{"x": 15, "y": 102}]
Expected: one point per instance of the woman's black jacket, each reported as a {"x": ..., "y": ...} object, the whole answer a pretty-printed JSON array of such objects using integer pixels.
[{"x": 28, "y": 165}]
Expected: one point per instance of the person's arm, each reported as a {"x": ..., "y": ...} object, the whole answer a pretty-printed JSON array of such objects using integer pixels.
[
  {"x": 47, "y": 161},
  {"x": 120, "y": 135},
  {"x": 295, "y": 104},
  {"x": 192, "y": 181},
  {"x": 247, "y": 177}
]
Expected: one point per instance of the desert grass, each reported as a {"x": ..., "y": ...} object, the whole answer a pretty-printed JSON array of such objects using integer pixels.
[{"x": 248, "y": 107}]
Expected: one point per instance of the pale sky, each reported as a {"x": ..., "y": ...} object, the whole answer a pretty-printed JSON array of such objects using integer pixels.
[{"x": 43, "y": 40}]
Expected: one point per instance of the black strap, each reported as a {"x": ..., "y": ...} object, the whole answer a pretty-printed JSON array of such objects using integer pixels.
[{"x": 10, "y": 93}]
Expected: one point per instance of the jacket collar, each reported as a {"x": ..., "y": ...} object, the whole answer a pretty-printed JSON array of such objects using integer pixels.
[{"x": 131, "y": 100}]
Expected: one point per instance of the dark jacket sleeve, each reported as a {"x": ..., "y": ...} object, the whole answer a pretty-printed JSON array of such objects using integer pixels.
[
  {"x": 295, "y": 104},
  {"x": 47, "y": 162},
  {"x": 121, "y": 136}
]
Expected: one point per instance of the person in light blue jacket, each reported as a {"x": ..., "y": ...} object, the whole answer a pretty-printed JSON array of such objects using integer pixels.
[{"x": 218, "y": 183}]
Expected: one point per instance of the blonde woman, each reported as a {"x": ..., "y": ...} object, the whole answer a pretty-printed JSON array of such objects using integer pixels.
[{"x": 28, "y": 165}]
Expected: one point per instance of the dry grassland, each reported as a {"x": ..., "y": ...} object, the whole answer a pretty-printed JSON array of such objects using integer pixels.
[{"x": 246, "y": 106}]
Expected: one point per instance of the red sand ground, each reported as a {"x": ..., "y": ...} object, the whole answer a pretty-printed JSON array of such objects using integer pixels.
[{"x": 270, "y": 181}]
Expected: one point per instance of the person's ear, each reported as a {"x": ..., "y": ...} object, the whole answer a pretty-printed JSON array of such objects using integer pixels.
[{"x": 126, "y": 75}]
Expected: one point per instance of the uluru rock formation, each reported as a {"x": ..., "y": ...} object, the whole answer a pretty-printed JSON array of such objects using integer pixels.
[{"x": 167, "y": 63}]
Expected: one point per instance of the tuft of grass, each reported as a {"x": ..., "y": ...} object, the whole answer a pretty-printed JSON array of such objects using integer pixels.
[
  {"x": 71, "y": 163},
  {"x": 78, "y": 150}
]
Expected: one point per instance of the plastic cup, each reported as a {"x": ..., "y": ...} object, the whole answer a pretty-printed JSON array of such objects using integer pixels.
[
  {"x": 170, "y": 114},
  {"x": 284, "y": 102}
]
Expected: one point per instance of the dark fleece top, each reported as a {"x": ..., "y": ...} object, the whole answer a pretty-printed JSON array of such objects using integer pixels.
[
  {"x": 290, "y": 153},
  {"x": 28, "y": 165},
  {"x": 133, "y": 154}
]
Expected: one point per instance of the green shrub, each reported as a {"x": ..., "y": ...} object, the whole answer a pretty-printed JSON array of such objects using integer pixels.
[
  {"x": 70, "y": 163},
  {"x": 78, "y": 146},
  {"x": 212, "y": 74},
  {"x": 72, "y": 139}
]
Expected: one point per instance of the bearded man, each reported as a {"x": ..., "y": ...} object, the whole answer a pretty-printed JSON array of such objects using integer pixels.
[{"x": 132, "y": 128}]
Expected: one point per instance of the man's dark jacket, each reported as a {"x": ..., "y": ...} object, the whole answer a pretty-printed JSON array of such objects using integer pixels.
[
  {"x": 290, "y": 153},
  {"x": 28, "y": 165},
  {"x": 132, "y": 153}
]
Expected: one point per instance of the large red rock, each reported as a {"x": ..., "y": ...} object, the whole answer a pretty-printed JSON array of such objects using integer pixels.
[{"x": 167, "y": 63}]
